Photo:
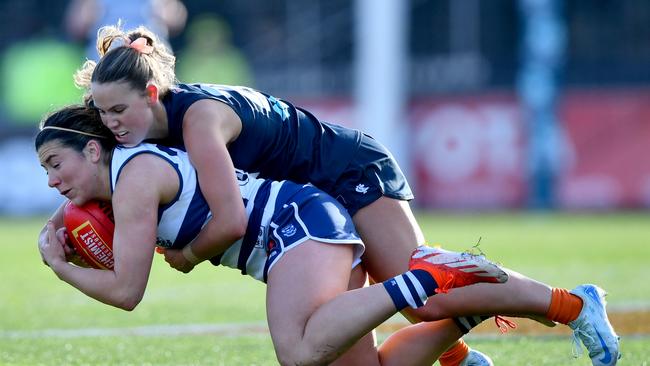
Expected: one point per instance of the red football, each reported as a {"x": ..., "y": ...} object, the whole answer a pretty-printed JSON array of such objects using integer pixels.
[{"x": 90, "y": 230}]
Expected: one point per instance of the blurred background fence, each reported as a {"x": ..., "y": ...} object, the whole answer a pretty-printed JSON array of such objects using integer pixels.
[{"x": 500, "y": 104}]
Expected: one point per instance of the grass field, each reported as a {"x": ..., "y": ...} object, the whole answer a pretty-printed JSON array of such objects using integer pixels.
[{"x": 215, "y": 316}]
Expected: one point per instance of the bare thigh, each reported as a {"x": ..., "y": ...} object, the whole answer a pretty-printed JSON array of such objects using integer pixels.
[
  {"x": 365, "y": 351},
  {"x": 391, "y": 233},
  {"x": 304, "y": 279}
]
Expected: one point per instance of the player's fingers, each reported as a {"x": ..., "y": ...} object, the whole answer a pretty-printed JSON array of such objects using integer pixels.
[
  {"x": 51, "y": 230},
  {"x": 188, "y": 268},
  {"x": 45, "y": 244},
  {"x": 60, "y": 234},
  {"x": 168, "y": 258}
]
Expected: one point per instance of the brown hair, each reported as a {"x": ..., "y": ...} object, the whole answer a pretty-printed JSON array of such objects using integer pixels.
[
  {"x": 73, "y": 126},
  {"x": 127, "y": 64}
]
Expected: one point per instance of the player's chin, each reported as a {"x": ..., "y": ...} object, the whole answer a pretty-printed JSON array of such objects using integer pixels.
[{"x": 79, "y": 200}]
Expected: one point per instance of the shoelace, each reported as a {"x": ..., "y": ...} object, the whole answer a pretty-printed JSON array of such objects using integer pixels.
[
  {"x": 503, "y": 324},
  {"x": 576, "y": 343},
  {"x": 450, "y": 281},
  {"x": 446, "y": 286}
]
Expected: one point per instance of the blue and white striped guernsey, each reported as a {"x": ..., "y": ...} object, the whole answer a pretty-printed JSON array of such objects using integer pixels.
[{"x": 181, "y": 220}]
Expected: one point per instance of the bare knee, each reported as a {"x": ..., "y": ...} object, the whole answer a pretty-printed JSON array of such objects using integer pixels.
[{"x": 303, "y": 355}]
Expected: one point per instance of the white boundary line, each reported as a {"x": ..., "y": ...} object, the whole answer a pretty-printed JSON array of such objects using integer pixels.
[
  {"x": 221, "y": 329},
  {"x": 227, "y": 329}
]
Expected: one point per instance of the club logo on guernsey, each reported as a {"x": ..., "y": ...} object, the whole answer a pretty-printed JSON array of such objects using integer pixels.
[
  {"x": 361, "y": 188},
  {"x": 289, "y": 230}
]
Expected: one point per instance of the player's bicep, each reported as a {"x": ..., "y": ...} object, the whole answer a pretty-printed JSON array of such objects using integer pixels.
[
  {"x": 143, "y": 184},
  {"x": 207, "y": 132}
]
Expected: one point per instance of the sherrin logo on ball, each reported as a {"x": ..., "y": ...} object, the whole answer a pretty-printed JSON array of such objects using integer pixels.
[{"x": 90, "y": 230}]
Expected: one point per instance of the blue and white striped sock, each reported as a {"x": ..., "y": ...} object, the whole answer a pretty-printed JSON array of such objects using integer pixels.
[
  {"x": 411, "y": 288},
  {"x": 466, "y": 323}
]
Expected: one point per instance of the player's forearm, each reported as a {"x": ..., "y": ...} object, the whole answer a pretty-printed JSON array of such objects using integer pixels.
[
  {"x": 101, "y": 285},
  {"x": 214, "y": 239}
]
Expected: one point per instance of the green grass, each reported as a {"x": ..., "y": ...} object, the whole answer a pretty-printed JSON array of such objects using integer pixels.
[
  {"x": 611, "y": 250},
  {"x": 207, "y": 294},
  {"x": 555, "y": 351},
  {"x": 257, "y": 350},
  {"x": 563, "y": 250}
]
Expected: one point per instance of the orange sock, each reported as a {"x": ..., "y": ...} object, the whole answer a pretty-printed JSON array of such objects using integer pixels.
[
  {"x": 565, "y": 306},
  {"x": 455, "y": 354}
]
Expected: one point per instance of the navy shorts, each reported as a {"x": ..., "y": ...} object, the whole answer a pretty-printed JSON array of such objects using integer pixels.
[
  {"x": 372, "y": 173},
  {"x": 308, "y": 214}
]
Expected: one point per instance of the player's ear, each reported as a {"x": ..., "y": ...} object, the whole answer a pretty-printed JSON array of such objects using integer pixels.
[
  {"x": 93, "y": 150},
  {"x": 152, "y": 94}
]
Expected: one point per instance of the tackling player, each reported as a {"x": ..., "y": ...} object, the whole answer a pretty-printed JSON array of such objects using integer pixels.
[{"x": 299, "y": 240}]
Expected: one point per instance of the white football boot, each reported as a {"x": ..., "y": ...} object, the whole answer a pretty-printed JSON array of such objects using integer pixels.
[
  {"x": 593, "y": 328},
  {"x": 476, "y": 358}
]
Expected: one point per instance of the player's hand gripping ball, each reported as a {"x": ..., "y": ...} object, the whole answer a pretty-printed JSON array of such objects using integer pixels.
[{"x": 90, "y": 230}]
